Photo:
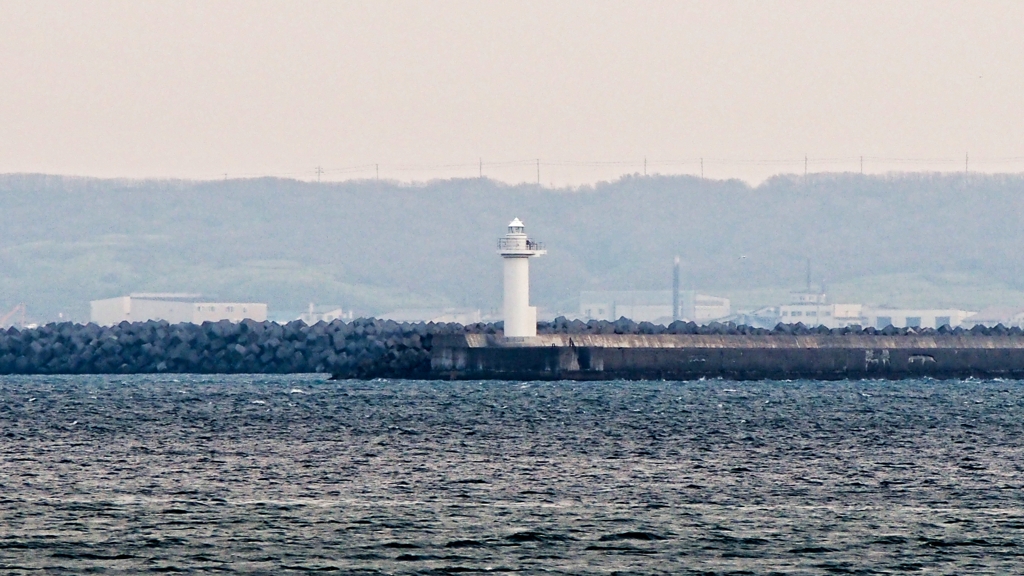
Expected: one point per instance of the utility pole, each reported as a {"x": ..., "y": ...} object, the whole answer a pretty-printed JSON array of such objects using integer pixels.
[
  {"x": 645, "y": 165},
  {"x": 805, "y": 166},
  {"x": 701, "y": 168},
  {"x": 967, "y": 158},
  {"x": 319, "y": 171},
  {"x": 861, "y": 164},
  {"x": 481, "y": 168},
  {"x": 376, "y": 168},
  {"x": 538, "y": 171}
]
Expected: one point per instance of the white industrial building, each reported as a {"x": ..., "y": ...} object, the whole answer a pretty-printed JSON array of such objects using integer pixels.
[
  {"x": 651, "y": 306},
  {"x": 174, "y": 308},
  {"x": 457, "y": 315},
  {"x": 842, "y": 315},
  {"x": 314, "y": 315},
  {"x": 915, "y": 318},
  {"x": 812, "y": 309},
  {"x": 991, "y": 317},
  {"x": 821, "y": 314}
]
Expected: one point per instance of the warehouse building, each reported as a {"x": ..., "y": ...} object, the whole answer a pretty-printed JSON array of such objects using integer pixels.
[
  {"x": 915, "y": 318},
  {"x": 652, "y": 306},
  {"x": 994, "y": 316},
  {"x": 174, "y": 308}
]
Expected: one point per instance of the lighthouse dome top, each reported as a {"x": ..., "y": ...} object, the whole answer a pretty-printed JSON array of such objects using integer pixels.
[{"x": 516, "y": 244}]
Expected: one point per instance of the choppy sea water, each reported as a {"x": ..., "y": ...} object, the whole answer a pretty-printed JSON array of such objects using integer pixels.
[{"x": 285, "y": 475}]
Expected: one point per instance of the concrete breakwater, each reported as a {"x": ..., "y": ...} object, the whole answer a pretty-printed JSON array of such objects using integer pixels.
[
  {"x": 370, "y": 348},
  {"x": 362, "y": 348}
]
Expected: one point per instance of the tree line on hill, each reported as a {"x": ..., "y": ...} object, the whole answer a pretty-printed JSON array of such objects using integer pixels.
[{"x": 375, "y": 246}]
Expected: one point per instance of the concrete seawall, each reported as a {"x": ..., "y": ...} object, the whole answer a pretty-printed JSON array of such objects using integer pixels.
[{"x": 734, "y": 356}]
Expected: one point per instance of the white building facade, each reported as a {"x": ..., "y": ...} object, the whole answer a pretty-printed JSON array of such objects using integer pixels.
[
  {"x": 811, "y": 309},
  {"x": 828, "y": 315},
  {"x": 994, "y": 316},
  {"x": 915, "y": 318},
  {"x": 173, "y": 308},
  {"x": 313, "y": 315},
  {"x": 457, "y": 315},
  {"x": 843, "y": 315},
  {"x": 651, "y": 306}
]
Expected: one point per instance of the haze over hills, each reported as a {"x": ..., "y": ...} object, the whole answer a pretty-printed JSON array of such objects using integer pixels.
[{"x": 905, "y": 239}]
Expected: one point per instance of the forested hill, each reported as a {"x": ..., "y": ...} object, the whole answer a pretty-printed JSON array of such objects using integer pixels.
[{"x": 375, "y": 246}]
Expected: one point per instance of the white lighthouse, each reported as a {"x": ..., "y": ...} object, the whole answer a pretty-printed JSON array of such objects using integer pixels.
[{"x": 517, "y": 249}]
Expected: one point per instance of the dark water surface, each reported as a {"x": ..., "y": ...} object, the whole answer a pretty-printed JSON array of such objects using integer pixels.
[{"x": 284, "y": 475}]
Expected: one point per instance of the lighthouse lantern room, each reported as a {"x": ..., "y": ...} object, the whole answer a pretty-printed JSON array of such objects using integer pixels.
[{"x": 517, "y": 249}]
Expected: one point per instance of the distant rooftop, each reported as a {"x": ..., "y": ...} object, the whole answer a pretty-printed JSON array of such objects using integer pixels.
[
  {"x": 165, "y": 295},
  {"x": 628, "y": 297},
  {"x": 997, "y": 314}
]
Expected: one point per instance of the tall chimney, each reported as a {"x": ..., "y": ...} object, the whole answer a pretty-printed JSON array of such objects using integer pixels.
[{"x": 675, "y": 290}]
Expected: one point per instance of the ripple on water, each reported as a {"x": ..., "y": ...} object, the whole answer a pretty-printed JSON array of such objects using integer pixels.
[{"x": 282, "y": 474}]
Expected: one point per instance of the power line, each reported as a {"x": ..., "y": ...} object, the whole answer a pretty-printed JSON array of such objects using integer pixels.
[{"x": 684, "y": 165}]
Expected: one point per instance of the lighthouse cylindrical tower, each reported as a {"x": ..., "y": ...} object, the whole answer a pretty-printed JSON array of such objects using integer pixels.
[{"x": 516, "y": 249}]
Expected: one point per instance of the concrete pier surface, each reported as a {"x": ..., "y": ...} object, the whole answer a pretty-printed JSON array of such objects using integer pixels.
[{"x": 732, "y": 356}]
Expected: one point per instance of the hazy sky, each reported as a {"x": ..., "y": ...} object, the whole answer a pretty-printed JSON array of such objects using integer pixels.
[{"x": 426, "y": 89}]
